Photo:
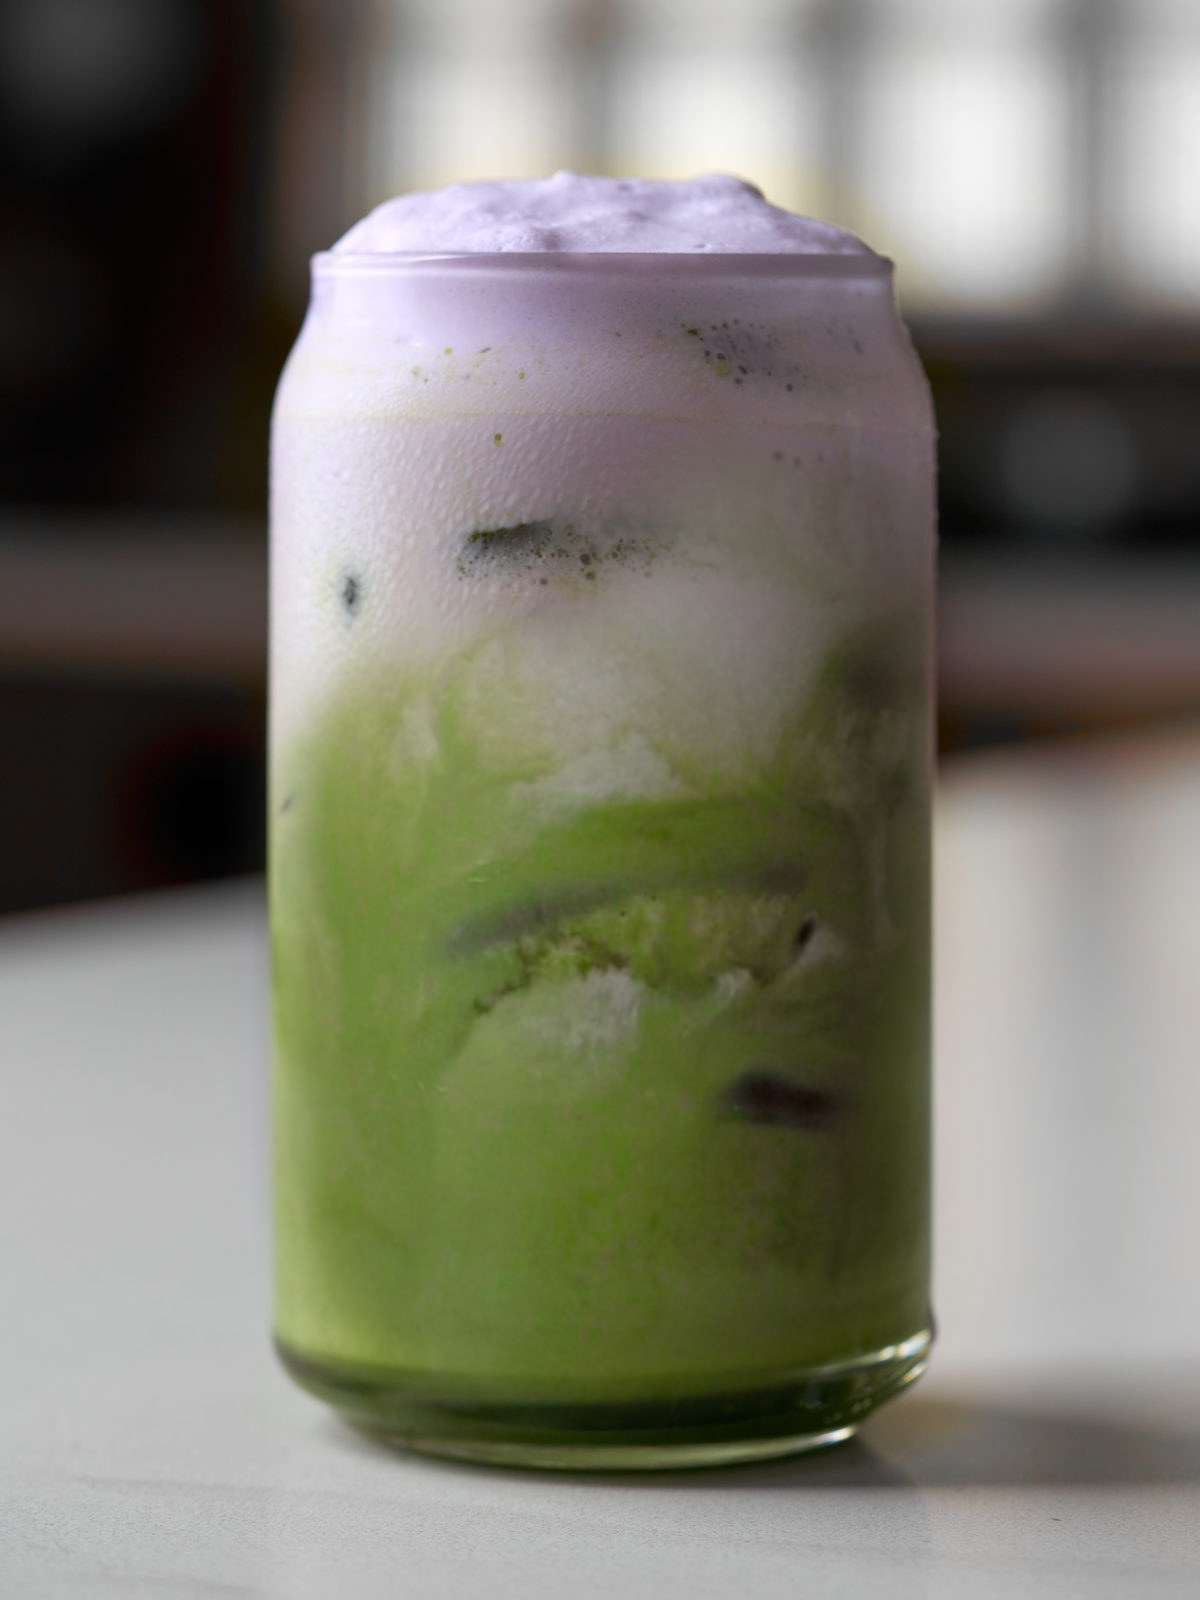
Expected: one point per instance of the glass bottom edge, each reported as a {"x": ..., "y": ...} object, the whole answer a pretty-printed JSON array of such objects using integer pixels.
[{"x": 807, "y": 1410}]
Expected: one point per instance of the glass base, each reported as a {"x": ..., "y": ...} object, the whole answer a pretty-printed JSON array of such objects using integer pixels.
[{"x": 810, "y": 1408}]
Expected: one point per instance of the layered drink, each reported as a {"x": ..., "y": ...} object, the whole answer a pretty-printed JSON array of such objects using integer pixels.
[{"x": 602, "y": 549}]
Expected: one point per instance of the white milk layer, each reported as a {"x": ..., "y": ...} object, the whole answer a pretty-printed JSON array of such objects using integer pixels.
[{"x": 644, "y": 500}]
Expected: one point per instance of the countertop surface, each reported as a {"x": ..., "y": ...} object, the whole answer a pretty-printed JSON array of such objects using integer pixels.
[{"x": 150, "y": 1447}]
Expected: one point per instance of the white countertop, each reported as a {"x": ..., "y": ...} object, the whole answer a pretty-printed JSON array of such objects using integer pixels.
[{"x": 149, "y": 1446}]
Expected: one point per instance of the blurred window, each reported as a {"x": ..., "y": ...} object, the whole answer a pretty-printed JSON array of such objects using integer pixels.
[
  {"x": 963, "y": 167},
  {"x": 707, "y": 87},
  {"x": 1011, "y": 154},
  {"x": 467, "y": 90},
  {"x": 1156, "y": 158}
]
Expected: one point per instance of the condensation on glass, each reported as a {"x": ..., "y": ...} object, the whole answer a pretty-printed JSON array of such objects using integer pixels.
[{"x": 600, "y": 853}]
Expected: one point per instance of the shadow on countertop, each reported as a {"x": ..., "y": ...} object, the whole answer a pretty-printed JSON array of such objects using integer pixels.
[{"x": 927, "y": 1443}]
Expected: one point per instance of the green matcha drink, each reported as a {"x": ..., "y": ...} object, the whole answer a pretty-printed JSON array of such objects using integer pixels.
[{"x": 602, "y": 543}]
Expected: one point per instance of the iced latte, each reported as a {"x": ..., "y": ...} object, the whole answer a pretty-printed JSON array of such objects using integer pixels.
[{"x": 602, "y": 548}]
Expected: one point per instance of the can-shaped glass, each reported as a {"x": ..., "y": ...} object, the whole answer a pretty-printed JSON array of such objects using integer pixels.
[{"x": 599, "y": 862}]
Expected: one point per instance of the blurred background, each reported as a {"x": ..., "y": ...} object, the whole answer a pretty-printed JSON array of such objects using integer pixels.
[{"x": 167, "y": 167}]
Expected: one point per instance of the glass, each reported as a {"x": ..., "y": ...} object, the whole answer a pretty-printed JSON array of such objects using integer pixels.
[{"x": 601, "y": 593}]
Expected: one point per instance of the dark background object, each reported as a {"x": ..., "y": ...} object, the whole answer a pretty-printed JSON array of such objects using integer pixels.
[
  {"x": 166, "y": 168},
  {"x": 139, "y": 346},
  {"x": 128, "y": 786},
  {"x": 135, "y": 145}
]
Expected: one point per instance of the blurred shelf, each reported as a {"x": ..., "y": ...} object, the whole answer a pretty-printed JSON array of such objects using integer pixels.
[
  {"x": 170, "y": 598},
  {"x": 1046, "y": 645},
  {"x": 1026, "y": 640},
  {"x": 1105, "y": 335}
]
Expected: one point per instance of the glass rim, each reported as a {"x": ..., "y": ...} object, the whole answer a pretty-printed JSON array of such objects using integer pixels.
[{"x": 662, "y": 263}]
